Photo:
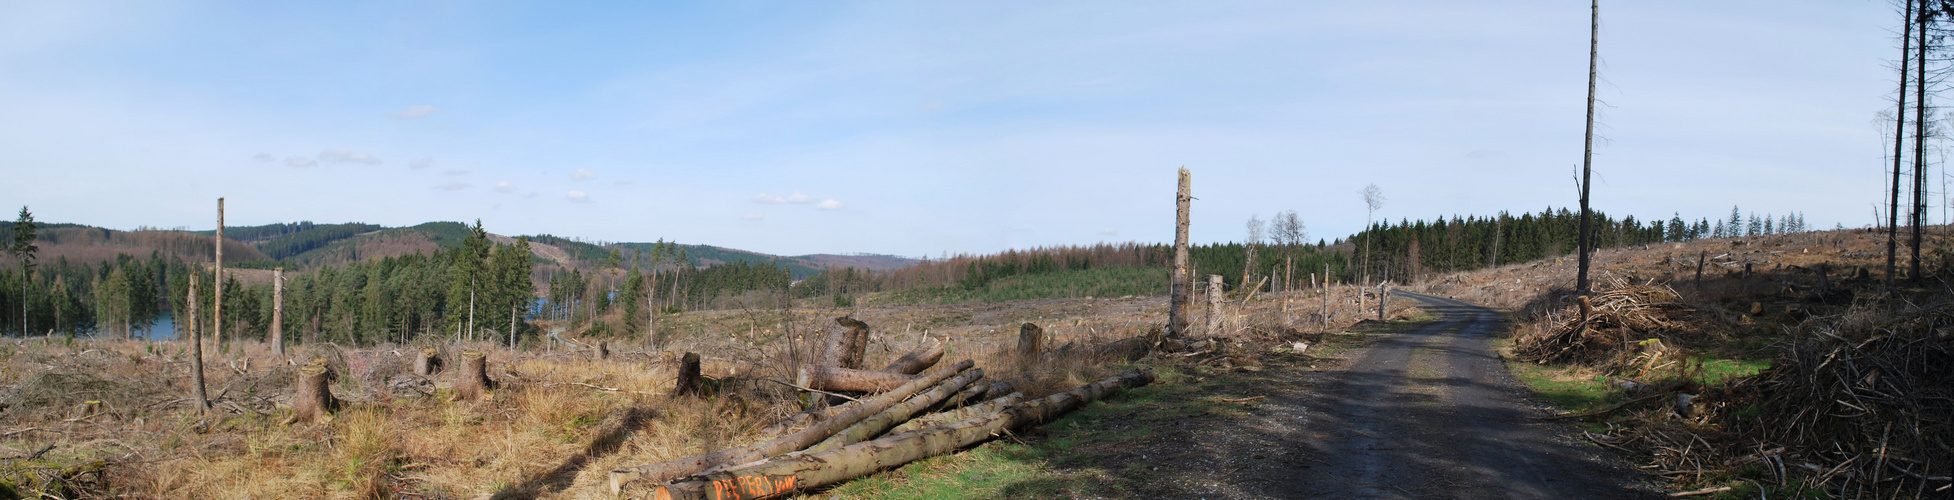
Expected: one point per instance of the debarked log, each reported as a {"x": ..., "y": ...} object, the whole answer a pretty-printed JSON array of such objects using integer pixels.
[
  {"x": 835, "y": 378},
  {"x": 666, "y": 471},
  {"x": 797, "y": 472},
  {"x": 991, "y": 406}
]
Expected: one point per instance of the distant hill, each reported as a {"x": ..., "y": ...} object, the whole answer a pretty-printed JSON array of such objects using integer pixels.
[{"x": 305, "y": 244}]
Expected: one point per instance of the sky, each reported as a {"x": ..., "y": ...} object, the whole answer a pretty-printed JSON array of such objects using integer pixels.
[{"x": 925, "y": 128}]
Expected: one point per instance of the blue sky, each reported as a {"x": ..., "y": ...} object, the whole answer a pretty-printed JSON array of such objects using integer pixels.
[{"x": 919, "y": 128}]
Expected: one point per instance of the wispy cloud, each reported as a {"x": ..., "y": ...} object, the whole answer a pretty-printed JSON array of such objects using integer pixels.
[
  {"x": 829, "y": 205},
  {"x": 504, "y": 187},
  {"x": 582, "y": 175},
  {"x": 262, "y": 158},
  {"x": 577, "y": 197},
  {"x": 421, "y": 163},
  {"x": 769, "y": 199},
  {"x": 453, "y": 186},
  {"x": 346, "y": 156},
  {"x": 753, "y": 217},
  {"x": 1109, "y": 231},
  {"x": 453, "y": 171},
  {"x": 797, "y": 197},
  {"x": 299, "y": 161},
  {"x": 415, "y": 111}
]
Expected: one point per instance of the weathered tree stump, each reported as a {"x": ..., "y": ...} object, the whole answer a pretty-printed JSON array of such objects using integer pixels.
[
  {"x": 471, "y": 381},
  {"x": 688, "y": 376},
  {"x": 1031, "y": 341},
  {"x": 917, "y": 360},
  {"x": 601, "y": 351},
  {"x": 835, "y": 378},
  {"x": 428, "y": 363},
  {"x": 312, "y": 399},
  {"x": 846, "y": 344}
]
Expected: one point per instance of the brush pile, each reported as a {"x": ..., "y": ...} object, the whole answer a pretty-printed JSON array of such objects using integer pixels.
[
  {"x": 1608, "y": 329},
  {"x": 899, "y": 414}
]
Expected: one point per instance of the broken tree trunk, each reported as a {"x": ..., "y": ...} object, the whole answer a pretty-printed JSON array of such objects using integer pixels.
[
  {"x": 428, "y": 363},
  {"x": 803, "y": 471},
  {"x": 472, "y": 382},
  {"x": 846, "y": 344},
  {"x": 1214, "y": 305},
  {"x": 1031, "y": 341},
  {"x": 895, "y": 415},
  {"x": 197, "y": 348},
  {"x": 1177, "y": 280},
  {"x": 917, "y": 360},
  {"x": 278, "y": 310},
  {"x": 601, "y": 351},
  {"x": 835, "y": 378},
  {"x": 312, "y": 399},
  {"x": 983, "y": 408},
  {"x": 666, "y": 471},
  {"x": 688, "y": 375}
]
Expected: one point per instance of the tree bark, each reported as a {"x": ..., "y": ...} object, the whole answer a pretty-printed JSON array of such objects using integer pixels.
[
  {"x": 846, "y": 344},
  {"x": 1177, "y": 321},
  {"x": 835, "y": 378},
  {"x": 197, "y": 352},
  {"x": 217, "y": 285},
  {"x": 472, "y": 382},
  {"x": 970, "y": 394},
  {"x": 428, "y": 362},
  {"x": 666, "y": 471},
  {"x": 959, "y": 414},
  {"x": 1919, "y": 142},
  {"x": 601, "y": 351},
  {"x": 1214, "y": 305},
  {"x": 803, "y": 471},
  {"x": 278, "y": 310},
  {"x": 919, "y": 359},
  {"x": 1031, "y": 342},
  {"x": 1587, "y": 149},
  {"x": 688, "y": 375},
  {"x": 312, "y": 399},
  {"x": 895, "y": 415},
  {"x": 1700, "y": 259}
]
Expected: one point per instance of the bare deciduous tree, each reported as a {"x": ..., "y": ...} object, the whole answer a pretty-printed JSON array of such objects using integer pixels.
[
  {"x": 1287, "y": 229},
  {"x": 1373, "y": 200}
]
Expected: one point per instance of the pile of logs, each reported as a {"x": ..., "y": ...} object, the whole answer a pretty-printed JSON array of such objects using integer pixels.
[{"x": 904, "y": 412}]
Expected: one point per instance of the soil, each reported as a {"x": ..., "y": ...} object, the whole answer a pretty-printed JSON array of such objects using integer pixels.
[{"x": 1422, "y": 410}]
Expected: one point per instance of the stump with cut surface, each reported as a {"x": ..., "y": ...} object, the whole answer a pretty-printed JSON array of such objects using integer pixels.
[
  {"x": 847, "y": 344},
  {"x": 312, "y": 399},
  {"x": 428, "y": 362},
  {"x": 1031, "y": 341},
  {"x": 688, "y": 375},
  {"x": 471, "y": 381}
]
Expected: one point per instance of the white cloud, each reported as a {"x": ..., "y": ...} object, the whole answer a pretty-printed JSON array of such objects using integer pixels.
[
  {"x": 829, "y": 205},
  {"x": 345, "y": 156},
  {"x": 505, "y": 187},
  {"x": 415, "y": 111},
  {"x": 453, "y": 186},
  {"x": 299, "y": 161},
  {"x": 582, "y": 175},
  {"x": 769, "y": 199},
  {"x": 577, "y": 197},
  {"x": 454, "y": 172},
  {"x": 421, "y": 163},
  {"x": 753, "y": 217},
  {"x": 797, "y": 197},
  {"x": 1109, "y": 231},
  {"x": 262, "y": 158}
]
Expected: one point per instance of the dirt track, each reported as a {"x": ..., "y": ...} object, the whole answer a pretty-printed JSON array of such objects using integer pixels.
[{"x": 1422, "y": 411}]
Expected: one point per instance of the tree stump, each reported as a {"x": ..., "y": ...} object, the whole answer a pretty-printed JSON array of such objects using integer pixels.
[
  {"x": 1031, "y": 341},
  {"x": 601, "y": 351},
  {"x": 428, "y": 363},
  {"x": 472, "y": 382},
  {"x": 688, "y": 376},
  {"x": 846, "y": 346},
  {"x": 312, "y": 399}
]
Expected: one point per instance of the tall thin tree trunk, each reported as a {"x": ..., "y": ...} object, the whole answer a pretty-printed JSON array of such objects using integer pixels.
[
  {"x": 217, "y": 285},
  {"x": 1919, "y": 140},
  {"x": 1899, "y": 149},
  {"x": 1177, "y": 282},
  {"x": 471, "y": 312},
  {"x": 1214, "y": 305},
  {"x": 197, "y": 348},
  {"x": 1587, "y": 149},
  {"x": 651, "y": 308},
  {"x": 278, "y": 310}
]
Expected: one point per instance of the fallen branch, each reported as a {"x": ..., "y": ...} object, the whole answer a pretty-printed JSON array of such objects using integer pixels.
[
  {"x": 1704, "y": 491},
  {"x": 1243, "y": 400}
]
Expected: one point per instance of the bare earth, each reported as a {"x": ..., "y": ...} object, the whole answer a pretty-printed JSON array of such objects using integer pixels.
[{"x": 1426, "y": 413}]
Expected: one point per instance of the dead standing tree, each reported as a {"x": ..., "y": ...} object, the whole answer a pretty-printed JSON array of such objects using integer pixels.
[
  {"x": 217, "y": 284},
  {"x": 278, "y": 310},
  {"x": 1587, "y": 150},
  {"x": 196, "y": 352},
  {"x": 1177, "y": 280},
  {"x": 1899, "y": 147},
  {"x": 1373, "y": 200}
]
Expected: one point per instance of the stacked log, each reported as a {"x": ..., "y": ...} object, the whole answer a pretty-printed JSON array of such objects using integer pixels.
[{"x": 737, "y": 477}]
